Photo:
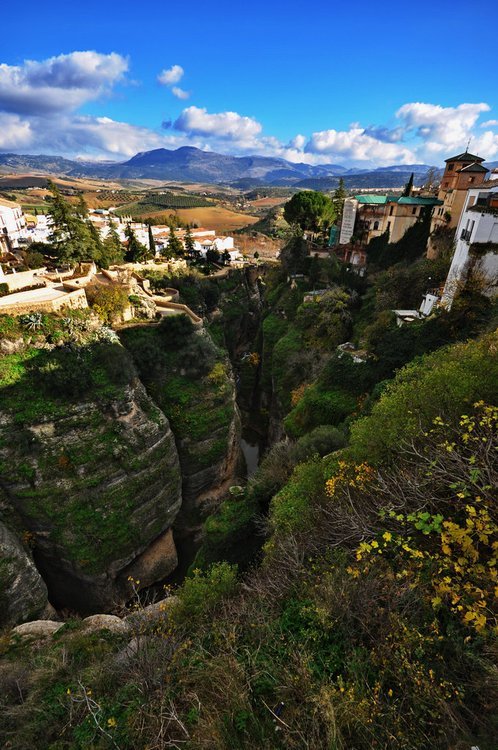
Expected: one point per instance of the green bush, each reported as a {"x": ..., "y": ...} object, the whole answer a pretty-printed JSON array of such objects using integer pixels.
[
  {"x": 174, "y": 329},
  {"x": 109, "y": 302},
  {"x": 443, "y": 382},
  {"x": 201, "y": 593},
  {"x": 322, "y": 440},
  {"x": 289, "y": 509},
  {"x": 318, "y": 407}
]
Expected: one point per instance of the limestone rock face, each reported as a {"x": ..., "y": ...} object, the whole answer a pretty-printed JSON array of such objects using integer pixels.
[
  {"x": 23, "y": 594},
  {"x": 155, "y": 563},
  {"x": 93, "y": 478},
  {"x": 191, "y": 380}
]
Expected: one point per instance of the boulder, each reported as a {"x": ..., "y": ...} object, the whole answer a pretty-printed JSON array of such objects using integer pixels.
[
  {"x": 106, "y": 622},
  {"x": 38, "y": 628}
]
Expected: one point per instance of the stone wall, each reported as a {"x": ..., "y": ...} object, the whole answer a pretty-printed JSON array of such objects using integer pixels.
[{"x": 71, "y": 300}]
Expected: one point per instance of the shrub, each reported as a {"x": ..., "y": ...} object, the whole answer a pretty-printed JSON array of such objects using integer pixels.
[
  {"x": 322, "y": 440},
  {"x": 67, "y": 374},
  {"x": 34, "y": 259},
  {"x": 109, "y": 302},
  {"x": 441, "y": 382},
  {"x": 174, "y": 329},
  {"x": 202, "y": 592},
  {"x": 318, "y": 407}
]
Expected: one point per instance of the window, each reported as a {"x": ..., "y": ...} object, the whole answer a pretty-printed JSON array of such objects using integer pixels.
[
  {"x": 388, "y": 226},
  {"x": 391, "y": 211},
  {"x": 414, "y": 210},
  {"x": 450, "y": 167},
  {"x": 471, "y": 179},
  {"x": 376, "y": 225}
]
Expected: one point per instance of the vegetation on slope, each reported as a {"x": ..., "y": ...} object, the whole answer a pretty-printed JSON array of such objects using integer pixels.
[{"x": 368, "y": 624}]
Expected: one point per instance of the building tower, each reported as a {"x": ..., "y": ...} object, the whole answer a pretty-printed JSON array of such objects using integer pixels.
[{"x": 462, "y": 172}]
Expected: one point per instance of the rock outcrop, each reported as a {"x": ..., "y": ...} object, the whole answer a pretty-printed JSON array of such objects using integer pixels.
[
  {"x": 93, "y": 477},
  {"x": 191, "y": 380},
  {"x": 23, "y": 594},
  {"x": 92, "y": 473}
]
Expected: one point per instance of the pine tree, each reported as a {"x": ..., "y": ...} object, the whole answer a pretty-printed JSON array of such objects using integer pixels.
[
  {"x": 70, "y": 236},
  {"x": 82, "y": 207},
  {"x": 97, "y": 246},
  {"x": 408, "y": 187},
  {"x": 175, "y": 246},
  {"x": 213, "y": 255},
  {"x": 152, "y": 244},
  {"x": 113, "y": 249}
]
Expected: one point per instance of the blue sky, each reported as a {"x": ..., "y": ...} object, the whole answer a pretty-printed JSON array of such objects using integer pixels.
[{"x": 351, "y": 83}]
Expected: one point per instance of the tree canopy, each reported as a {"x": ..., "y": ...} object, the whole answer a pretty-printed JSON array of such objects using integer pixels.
[
  {"x": 72, "y": 237},
  {"x": 310, "y": 210},
  {"x": 135, "y": 252}
]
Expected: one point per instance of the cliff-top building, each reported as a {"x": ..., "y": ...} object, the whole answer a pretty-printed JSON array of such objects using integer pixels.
[
  {"x": 377, "y": 214},
  {"x": 462, "y": 172}
]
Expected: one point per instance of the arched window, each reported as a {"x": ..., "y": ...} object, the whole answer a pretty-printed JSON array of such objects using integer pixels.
[{"x": 376, "y": 225}]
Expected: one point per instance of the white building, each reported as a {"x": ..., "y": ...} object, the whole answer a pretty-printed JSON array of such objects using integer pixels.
[
  {"x": 12, "y": 222},
  {"x": 476, "y": 242}
]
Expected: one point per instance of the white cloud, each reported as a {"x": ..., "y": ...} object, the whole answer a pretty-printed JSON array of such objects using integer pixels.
[
  {"x": 442, "y": 129},
  {"x": 228, "y": 126},
  {"x": 355, "y": 145},
  {"x": 61, "y": 83},
  {"x": 172, "y": 75},
  {"x": 180, "y": 93},
  {"x": 39, "y": 103},
  {"x": 298, "y": 142},
  {"x": 14, "y": 132}
]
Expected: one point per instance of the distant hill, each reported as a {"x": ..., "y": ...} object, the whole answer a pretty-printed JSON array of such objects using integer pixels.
[
  {"x": 379, "y": 178},
  {"x": 188, "y": 164}
]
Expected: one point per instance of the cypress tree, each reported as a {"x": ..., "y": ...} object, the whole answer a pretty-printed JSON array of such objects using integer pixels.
[
  {"x": 152, "y": 244},
  {"x": 408, "y": 187}
]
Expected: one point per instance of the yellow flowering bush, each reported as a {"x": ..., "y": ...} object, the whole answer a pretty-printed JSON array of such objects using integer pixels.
[{"x": 453, "y": 557}]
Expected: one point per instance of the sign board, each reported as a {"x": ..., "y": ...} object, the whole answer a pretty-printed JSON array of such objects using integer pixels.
[{"x": 348, "y": 219}]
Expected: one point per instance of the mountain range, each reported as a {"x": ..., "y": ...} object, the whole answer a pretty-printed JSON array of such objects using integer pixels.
[{"x": 188, "y": 164}]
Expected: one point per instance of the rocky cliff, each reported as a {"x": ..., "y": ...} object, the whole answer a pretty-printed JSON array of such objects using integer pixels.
[
  {"x": 191, "y": 380},
  {"x": 97, "y": 463},
  {"x": 89, "y": 470}
]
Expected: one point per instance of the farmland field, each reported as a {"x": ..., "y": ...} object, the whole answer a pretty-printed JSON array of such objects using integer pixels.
[
  {"x": 216, "y": 217},
  {"x": 269, "y": 202},
  {"x": 210, "y": 217}
]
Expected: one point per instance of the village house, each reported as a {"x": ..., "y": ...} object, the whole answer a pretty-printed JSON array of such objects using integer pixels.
[{"x": 12, "y": 223}]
